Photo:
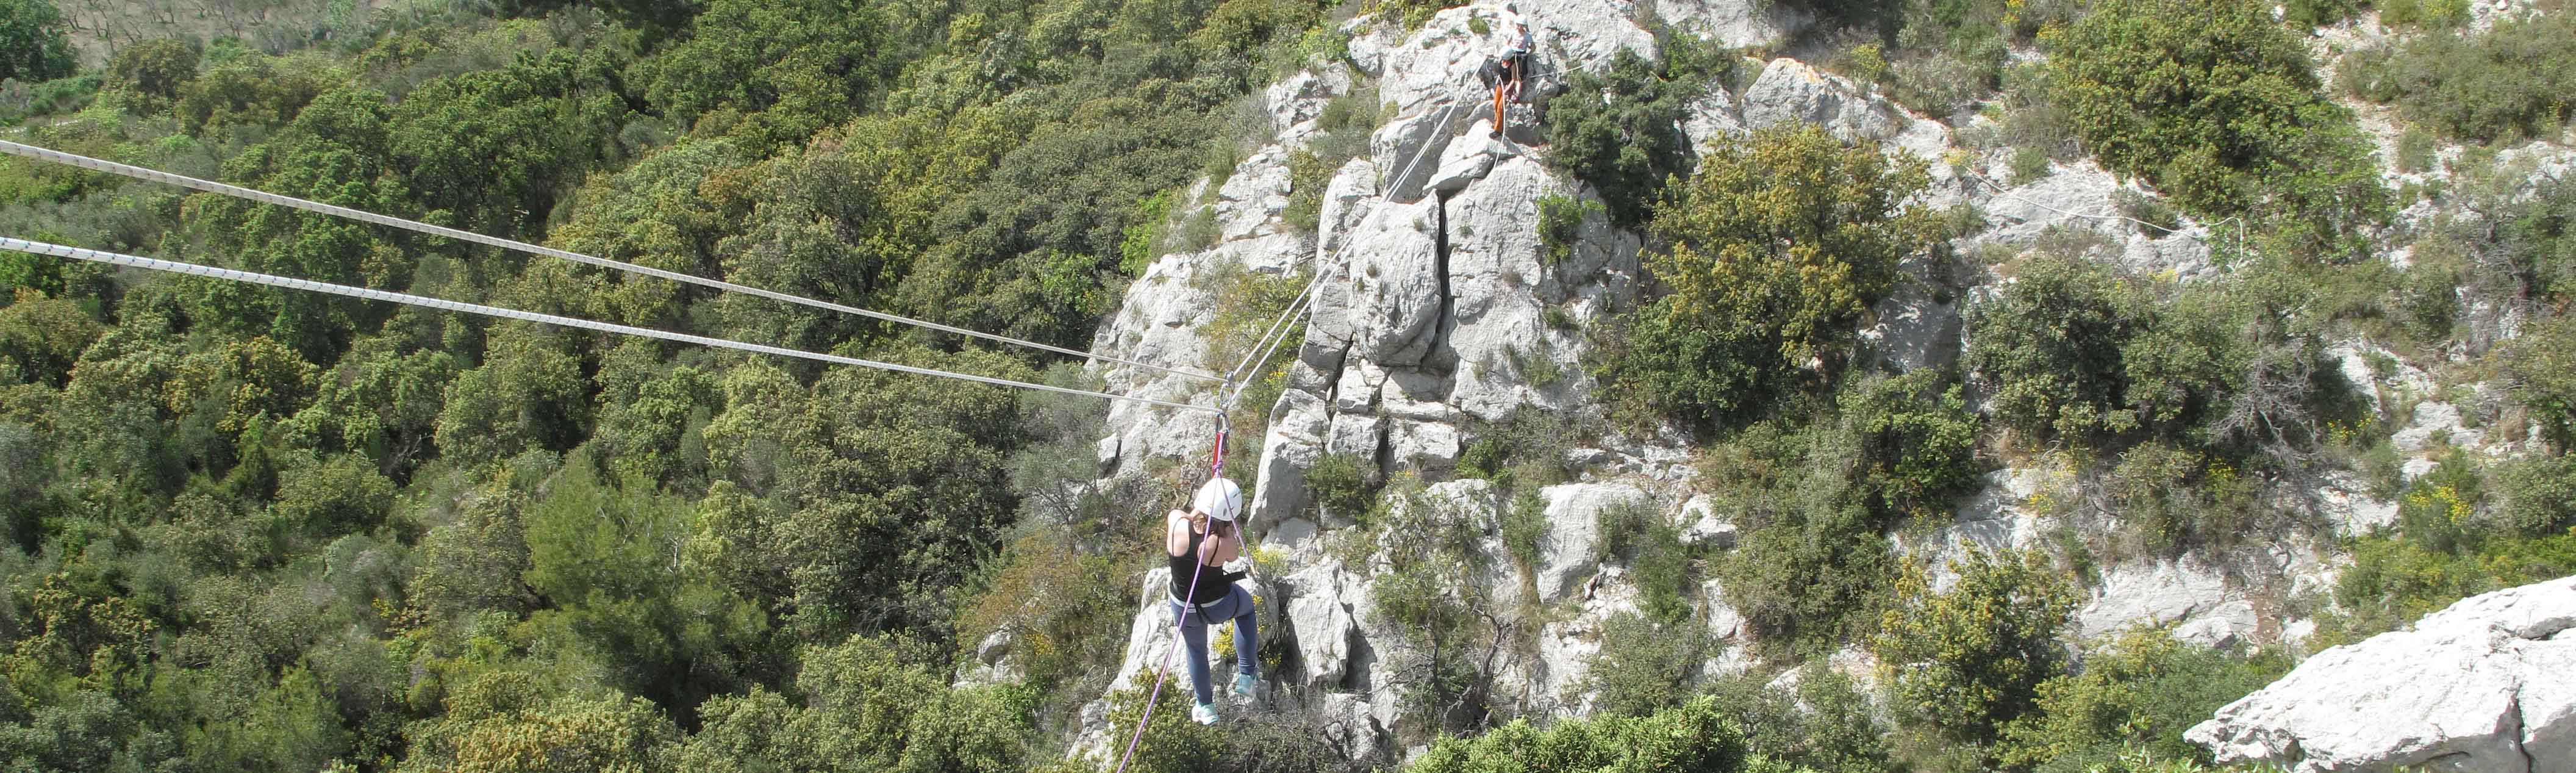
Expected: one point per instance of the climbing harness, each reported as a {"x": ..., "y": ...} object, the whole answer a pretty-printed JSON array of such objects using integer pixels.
[
  {"x": 140, "y": 173},
  {"x": 192, "y": 269}
]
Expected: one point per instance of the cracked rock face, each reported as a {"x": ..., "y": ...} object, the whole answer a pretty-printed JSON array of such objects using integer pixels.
[{"x": 2486, "y": 686}]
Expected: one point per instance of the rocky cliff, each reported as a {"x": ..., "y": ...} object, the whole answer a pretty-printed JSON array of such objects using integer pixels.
[
  {"x": 2486, "y": 686},
  {"x": 1438, "y": 321}
]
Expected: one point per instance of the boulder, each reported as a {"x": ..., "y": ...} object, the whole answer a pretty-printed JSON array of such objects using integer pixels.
[
  {"x": 2166, "y": 592},
  {"x": 1568, "y": 556},
  {"x": 1917, "y": 326},
  {"x": 1703, "y": 525},
  {"x": 1356, "y": 434},
  {"x": 1711, "y": 118},
  {"x": 2081, "y": 195},
  {"x": 1295, "y": 440},
  {"x": 1319, "y": 619},
  {"x": 1409, "y": 148},
  {"x": 1396, "y": 285},
  {"x": 1427, "y": 447},
  {"x": 2480, "y": 687},
  {"x": 1791, "y": 92},
  {"x": 1249, "y": 203},
  {"x": 1295, "y": 101},
  {"x": 1346, "y": 197},
  {"x": 2345, "y": 500},
  {"x": 1735, "y": 23}
]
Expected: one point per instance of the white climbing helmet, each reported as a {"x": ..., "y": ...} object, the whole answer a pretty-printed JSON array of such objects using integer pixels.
[{"x": 1220, "y": 499}]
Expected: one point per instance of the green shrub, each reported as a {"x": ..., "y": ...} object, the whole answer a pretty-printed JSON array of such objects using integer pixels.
[
  {"x": 1340, "y": 484},
  {"x": 1918, "y": 436},
  {"x": 2156, "y": 218},
  {"x": 1812, "y": 565},
  {"x": 2218, "y": 105},
  {"x": 2414, "y": 150},
  {"x": 1525, "y": 526},
  {"x": 1778, "y": 246},
  {"x": 1637, "y": 533},
  {"x": 1970, "y": 660},
  {"x": 2169, "y": 499},
  {"x": 2431, "y": 14},
  {"x": 1624, "y": 141},
  {"x": 1866, "y": 63},
  {"x": 2050, "y": 343},
  {"x": 1247, "y": 303},
  {"x": 1693, "y": 737},
  {"x": 2537, "y": 495},
  {"x": 153, "y": 69},
  {"x": 1826, "y": 724},
  {"x": 1429, "y": 591},
  {"x": 2138, "y": 695},
  {"x": 2509, "y": 82},
  {"x": 1560, "y": 224},
  {"x": 1142, "y": 240},
  {"x": 1525, "y": 451},
  {"x": 1644, "y": 665},
  {"x": 2540, "y": 369},
  {"x": 2313, "y": 13},
  {"x": 1307, "y": 175},
  {"x": 38, "y": 45},
  {"x": 2395, "y": 580},
  {"x": 2538, "y": 237},
  {"x": 2028, "y": 166}
]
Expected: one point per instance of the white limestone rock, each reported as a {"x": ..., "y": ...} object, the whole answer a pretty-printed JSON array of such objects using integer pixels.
[
  {"x": 1292, "y": 444},
  {"x": 1702, "y": 524},
  {"x": 1792, "y": 92},
  {"x": 1395, "y": 303},
  {"x": 1319, "y": 618},
  {"x": 1735, "y": 23},
  {"x": 2480, "y": 687},
  {"x": 2081, "y": 195},
  {"x": 1917, "y": 326},
  {"x": 1567, "y": 555},
  {"x": 1712, "y": 117},
  {"x": 2160, "y": 593},
  {"x": 1428, "y": 447}
]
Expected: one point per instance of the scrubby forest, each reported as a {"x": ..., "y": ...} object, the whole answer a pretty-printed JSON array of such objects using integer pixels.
[{"x": 248, "y": 529}]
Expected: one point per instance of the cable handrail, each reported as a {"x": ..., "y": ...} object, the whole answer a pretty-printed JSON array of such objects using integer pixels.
[
  {"x": 209, "y": 186},
  {"x": 271, "y": 280}
]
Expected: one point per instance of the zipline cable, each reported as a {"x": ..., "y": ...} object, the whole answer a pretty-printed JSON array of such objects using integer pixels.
[
  {"x": 1243, "y": 374},
  {"x": 192, "y": 269},
  {"x": 209, "y": 186}
]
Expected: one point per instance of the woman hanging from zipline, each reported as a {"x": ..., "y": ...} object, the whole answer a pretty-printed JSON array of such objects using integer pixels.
[{"x": 1199, "y": 543}]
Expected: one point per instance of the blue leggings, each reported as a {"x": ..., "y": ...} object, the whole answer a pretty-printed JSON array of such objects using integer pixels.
[{"x": 1194, "y": 632}]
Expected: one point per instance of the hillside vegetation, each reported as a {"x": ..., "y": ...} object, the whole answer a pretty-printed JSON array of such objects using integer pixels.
[{"x": 246, "y": 529}]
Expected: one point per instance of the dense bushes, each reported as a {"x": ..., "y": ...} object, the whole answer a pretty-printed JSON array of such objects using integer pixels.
[
  {"x": 2138, "y": 694},
  {"x": 2075, "y": 351},
  {"x": 2217, "y": 105},
  {"x": 2507, "y": 83},
  {"x": 1970, "y": 660},
  {"x": 1817, "y": 499},
  {"x": 1628, "y": 142},
  {"x": 1779, "y": 244},
  {"x": 33, "y": 43},
  {"x": 1695, "y": 737}
]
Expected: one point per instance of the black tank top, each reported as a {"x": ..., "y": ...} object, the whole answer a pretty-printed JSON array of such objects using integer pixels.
[{"x": 1210, "y": 586}]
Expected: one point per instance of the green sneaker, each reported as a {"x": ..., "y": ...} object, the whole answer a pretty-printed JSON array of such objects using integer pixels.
[
  {"x": 1243, "y": 685},
  {"x": 1204, "y": 713}
]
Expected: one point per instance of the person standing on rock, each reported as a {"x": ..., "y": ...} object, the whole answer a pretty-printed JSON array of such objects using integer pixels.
[
  {"x": 1515, "y": 61},
  {"x": 1199, "y": 543}
]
